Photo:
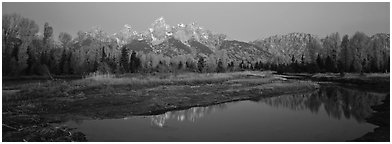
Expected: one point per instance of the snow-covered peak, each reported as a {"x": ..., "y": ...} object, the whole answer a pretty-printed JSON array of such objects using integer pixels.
[
  {"x": 135, "y": 33},
  {"x": 181, "y": 25},
  {"x": 169, "y": 33},
  {"x": 127, "y": 26},
  {"x": 159, "y": 30},
  {"x": 161, "y": 19}
]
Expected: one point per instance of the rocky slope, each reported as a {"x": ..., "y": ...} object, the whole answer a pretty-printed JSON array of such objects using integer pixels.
[
  {"x": 284, "y": 47},
  {"x": 245, "y": 51}
]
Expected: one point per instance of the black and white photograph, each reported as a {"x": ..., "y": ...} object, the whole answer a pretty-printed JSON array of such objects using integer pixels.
[{"x": 195, "y": 71}]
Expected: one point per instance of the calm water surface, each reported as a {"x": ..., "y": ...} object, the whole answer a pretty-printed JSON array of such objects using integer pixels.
[{"x": 331, "y": 113}]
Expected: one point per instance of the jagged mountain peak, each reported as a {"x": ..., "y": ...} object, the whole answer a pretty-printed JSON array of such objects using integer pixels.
[
  {"x": 159, "y": 31},
  {"x": 159, "y": 22},
  {"x": 128, "y": 27},
  {"x": 172, "y": 40},
  {"x": 181, "y": 25},
  {"x": 161, "y": 19}
]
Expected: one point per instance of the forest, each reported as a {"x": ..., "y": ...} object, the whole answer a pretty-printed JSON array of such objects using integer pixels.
[{"x": 28, "y": 52}]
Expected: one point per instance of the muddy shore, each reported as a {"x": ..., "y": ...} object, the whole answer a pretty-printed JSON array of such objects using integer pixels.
[{"x": 380, "y": 118}]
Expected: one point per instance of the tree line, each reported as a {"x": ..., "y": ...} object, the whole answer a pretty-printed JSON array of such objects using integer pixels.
[
  {"x": 28, "y": 52},
  {"x": 358, "y": 54}
]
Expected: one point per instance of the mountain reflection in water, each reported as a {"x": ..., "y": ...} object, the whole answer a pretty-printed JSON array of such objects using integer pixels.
[
  {"x": 337, "y": 102},
  {"x": 191, "y": 114}
]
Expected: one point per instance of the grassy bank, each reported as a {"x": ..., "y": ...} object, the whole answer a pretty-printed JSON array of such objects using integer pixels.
[
  {"x": 366, "y": 80},
  {"x": 28, "y": 111}
]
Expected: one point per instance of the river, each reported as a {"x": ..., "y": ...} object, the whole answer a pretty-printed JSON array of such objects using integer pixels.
[{"x": 331, "y": 113}]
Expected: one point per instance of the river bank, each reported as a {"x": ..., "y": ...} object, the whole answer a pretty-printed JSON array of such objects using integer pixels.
[
  {"x": 379, "y": 81},
  {"x": 380, "y": 118}
]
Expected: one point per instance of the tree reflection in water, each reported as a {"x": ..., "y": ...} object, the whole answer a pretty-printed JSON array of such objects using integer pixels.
[
  {"x": 191, "y": 114},
  {"x": 337, "y": 102}
]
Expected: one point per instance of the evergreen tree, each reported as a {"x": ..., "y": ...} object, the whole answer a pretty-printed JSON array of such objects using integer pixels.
[
  {"x": 345, "y": 57},
  {"x": 135, "y": 62},
  {"x": 292, "y": 59},
  {"x": 69, "y": 65},
  {"x": 256, "y": 65},
  {"x": 30, "y": 60},
  {"x": 320, "y": 63},
  {"x": 201, "y": 64},
  {"x": 364, "y": 66},
  {"x": 329, "y": 64},
  {"x": 302, "y": 60},
  {"x": 124, "y": 60},
  {"x": 63, "y": 62},
  {"x": 220, "y": 67},
  {"x": 242, "y": 65},
  {"x": 341, "y": 66},
  {"x": 95, "y": 65},
  {"x": 103, "y": 59},
  {"x": 180, "y": 65}
]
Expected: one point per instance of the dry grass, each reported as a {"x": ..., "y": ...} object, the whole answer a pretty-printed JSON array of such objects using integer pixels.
[
  {"x": 98, "y": 76},
  {"x": 135, "y": 81},
  {"x": 353, "y": 75},
  {"x": 183, "y": 78}
]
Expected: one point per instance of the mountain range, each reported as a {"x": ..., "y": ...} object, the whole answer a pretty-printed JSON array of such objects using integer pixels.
[{"x": 193, "y": 39}]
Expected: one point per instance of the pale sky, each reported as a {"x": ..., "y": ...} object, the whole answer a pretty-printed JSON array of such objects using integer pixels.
[{"x": 241, "y": 21}]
